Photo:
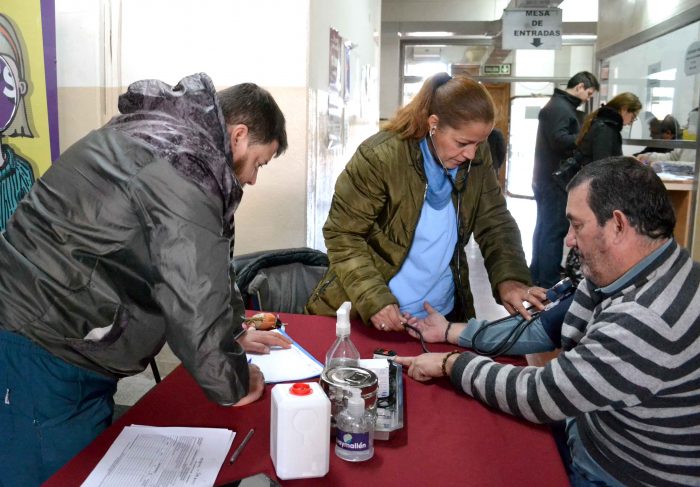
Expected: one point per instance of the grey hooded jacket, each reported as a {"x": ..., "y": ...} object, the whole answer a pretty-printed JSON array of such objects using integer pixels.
[{"x": 124, "y": 243}]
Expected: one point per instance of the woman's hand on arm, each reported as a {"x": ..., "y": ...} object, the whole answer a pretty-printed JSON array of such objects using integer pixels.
[
  {"x": 514, "y": 293},
  {"x": 389, "y": 318}
]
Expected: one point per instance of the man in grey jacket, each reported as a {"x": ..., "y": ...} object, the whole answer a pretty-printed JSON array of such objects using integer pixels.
[
  {"x": 122, "y": 245},
  {"x": 626, "y": 381}
]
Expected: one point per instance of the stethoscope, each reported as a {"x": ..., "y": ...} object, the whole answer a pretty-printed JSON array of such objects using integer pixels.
[{"x": 458, "y": 193}]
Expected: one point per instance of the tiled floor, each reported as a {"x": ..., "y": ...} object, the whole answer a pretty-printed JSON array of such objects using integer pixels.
[{"x": 129, "y": 390}]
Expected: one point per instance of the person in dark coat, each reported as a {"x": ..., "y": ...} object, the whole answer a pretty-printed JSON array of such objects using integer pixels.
[
  {"x": 600, "y": 135},
  {"x": 556, "y": 140}
]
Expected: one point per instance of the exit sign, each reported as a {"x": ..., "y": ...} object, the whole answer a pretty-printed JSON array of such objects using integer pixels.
[{"x": 497, "y": 69}]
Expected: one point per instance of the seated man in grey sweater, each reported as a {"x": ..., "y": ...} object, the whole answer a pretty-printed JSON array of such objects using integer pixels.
[{"x": 627, "y": 379}]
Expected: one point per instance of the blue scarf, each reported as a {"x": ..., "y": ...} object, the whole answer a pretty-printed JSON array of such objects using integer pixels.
[{"x": 439, "y": 188}]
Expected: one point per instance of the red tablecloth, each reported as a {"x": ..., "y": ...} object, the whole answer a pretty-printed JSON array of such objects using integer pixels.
[{"x": 448, "y": 438}]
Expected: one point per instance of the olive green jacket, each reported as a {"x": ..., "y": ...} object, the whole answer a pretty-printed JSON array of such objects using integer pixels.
[{"x": 373, "y": 217}]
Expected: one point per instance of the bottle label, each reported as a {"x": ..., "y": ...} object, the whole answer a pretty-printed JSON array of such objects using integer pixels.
[{"x": 352, "y": 441}]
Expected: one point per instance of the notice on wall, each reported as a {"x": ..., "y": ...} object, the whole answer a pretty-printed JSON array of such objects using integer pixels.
[
  {"x": 532, "y": 28},
  {"x": 692, "y": 59}
]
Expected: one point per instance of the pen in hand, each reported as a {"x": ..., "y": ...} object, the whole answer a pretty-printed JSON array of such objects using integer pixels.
[{"x": 238, "y": 450}]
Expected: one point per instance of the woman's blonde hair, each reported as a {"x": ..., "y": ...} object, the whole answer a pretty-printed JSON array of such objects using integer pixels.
[
  {"x": 626, "y": 100},
  {"x": 454, "y": 100}
]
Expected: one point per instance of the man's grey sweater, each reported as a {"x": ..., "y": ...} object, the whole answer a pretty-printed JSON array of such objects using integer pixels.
[{"x": 629, "y": 373}]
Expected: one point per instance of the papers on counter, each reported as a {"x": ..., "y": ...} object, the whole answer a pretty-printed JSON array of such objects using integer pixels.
[
  {"x": 674, "y": 176},
  {"x": 284, "y": 365},
  {"x": 150, "y": 455}
]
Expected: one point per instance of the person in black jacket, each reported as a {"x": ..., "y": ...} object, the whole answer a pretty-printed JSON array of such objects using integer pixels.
[
  {"x": 556, "y": 140},
  {"x": 600, "y": 135},
  {"x": 600, "y": 138}
]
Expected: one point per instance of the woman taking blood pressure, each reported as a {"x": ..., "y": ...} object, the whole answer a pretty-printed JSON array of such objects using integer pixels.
[{"x": 405, "y": 207}]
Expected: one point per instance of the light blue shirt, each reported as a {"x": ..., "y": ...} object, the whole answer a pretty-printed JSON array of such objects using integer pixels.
[{"x": 425, "y": 274}]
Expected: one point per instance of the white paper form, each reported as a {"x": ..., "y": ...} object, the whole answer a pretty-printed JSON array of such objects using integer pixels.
[
  {"x": 150, "y": 456},
  {"x": 286, "y": 364}
]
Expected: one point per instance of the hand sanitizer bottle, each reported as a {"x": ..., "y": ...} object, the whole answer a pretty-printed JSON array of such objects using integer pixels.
[
  {"x": 354, "y": 439},
  {"x": 342, "y": 352}
]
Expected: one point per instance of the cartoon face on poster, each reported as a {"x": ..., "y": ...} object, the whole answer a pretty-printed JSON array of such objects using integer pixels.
[
  {"x": 28, "y": 118},
  {"x": 16, "y": 174}
]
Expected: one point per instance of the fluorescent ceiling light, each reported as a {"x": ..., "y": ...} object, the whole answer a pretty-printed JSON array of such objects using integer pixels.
[
  {"x": 436, "y": 33},
  {"x": 579, "y": 37}
]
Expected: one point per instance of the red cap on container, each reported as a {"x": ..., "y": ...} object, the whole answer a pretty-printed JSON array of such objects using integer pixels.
[{"x": 301, "y": 389}]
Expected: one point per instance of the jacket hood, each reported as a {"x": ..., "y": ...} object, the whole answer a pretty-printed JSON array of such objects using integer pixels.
[
  {"x": 185, "y": 125},
  {"x": 610, "y": 116}
]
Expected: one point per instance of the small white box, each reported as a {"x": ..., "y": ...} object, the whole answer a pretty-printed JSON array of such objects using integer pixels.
[{"x": 380, "y": 366}]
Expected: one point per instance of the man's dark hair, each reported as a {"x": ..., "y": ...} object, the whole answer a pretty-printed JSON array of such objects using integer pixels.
[
  {"x": 622, "y": 183},
  {"x": 670, "y": 124},
  {"x": 588, "y": 80},
  {"x": 254, "y": 107}
]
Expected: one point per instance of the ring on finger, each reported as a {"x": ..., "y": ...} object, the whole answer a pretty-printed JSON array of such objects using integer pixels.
[{"x": 382, "y": 326}]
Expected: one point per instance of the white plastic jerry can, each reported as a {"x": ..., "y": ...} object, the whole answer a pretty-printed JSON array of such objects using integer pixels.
[{"x": 300, "y": 423}]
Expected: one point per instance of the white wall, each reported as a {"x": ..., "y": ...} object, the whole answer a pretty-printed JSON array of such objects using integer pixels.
[
  {"x": 442, "y": 10},
  {"x": 358, "y": 22},
  {"x": 264, "y": 41},
  {"x": 233, "y": 40},
  {"x": 620, "y": 20},
  {"x": 105, "y": 45},
  {"x": 78, "y": 42},
  {"x": 236, "y": 41},
  {"x": 282, "y": 45}
]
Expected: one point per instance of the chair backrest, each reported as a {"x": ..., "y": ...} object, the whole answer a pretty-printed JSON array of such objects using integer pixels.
[{"x": 279, "y": 280}]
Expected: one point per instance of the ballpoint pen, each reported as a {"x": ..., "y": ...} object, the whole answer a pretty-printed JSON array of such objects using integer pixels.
[{"x": 240, "y": 447}]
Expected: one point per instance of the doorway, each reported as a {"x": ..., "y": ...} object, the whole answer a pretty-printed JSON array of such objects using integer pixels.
[
  {"x": 500, "y": 92},
  {"x": 524, "y": 111}
]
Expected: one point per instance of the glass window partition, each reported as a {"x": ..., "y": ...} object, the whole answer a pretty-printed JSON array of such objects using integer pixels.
[
  {"x": 664, "y": 135},
  {"x": 654, "y": 71}
]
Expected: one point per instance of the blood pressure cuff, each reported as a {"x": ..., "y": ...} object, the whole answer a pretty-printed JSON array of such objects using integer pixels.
[{"x": 553, "y": 318}]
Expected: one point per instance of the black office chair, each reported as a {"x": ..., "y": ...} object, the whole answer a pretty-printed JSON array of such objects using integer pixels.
[{"x": 279, "y": 280}]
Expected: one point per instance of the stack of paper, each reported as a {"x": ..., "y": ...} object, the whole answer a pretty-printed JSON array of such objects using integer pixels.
[
  {"x": 286, "y": 364},
  {"x": 150, "y": 455}
]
